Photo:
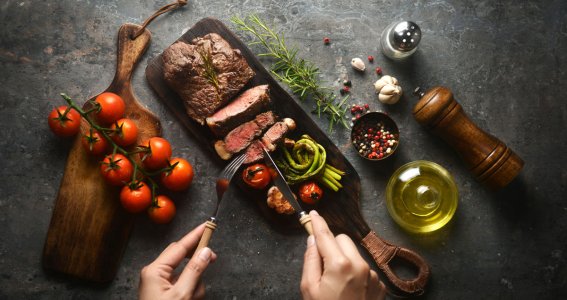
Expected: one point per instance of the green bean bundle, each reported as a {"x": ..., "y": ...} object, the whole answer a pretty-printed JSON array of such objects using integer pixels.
[{"x": 307, "y": 160}]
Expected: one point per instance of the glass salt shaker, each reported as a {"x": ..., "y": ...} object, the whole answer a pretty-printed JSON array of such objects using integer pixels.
[{"x": 400, "y": 39}]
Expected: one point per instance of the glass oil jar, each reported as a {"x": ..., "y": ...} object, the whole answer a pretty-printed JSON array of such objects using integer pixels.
[{"x": 421, "y": 196}]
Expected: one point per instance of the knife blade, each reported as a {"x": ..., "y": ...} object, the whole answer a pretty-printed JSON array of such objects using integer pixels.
[{"x": 279, "y": 181}]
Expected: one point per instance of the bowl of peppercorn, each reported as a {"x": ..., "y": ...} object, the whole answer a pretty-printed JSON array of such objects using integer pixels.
[{"x": 375, "y": 136}]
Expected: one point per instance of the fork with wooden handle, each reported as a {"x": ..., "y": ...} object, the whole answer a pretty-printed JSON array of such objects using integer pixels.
[{"x": 221, "y": 186}]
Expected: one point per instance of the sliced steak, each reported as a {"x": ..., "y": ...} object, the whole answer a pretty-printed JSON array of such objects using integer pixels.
[
  {"x": 269, "y": 140},
  {"x": 242, "y": 109},
  {"x": 277, "y": 132},
  {"x": 242, "y": 136},
  {"x": 206, "y": 74}
]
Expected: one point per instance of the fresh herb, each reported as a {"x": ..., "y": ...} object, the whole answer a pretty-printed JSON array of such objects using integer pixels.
[
  {"x": 210, "y": 72},
  {"x": 299, "y": 74}
]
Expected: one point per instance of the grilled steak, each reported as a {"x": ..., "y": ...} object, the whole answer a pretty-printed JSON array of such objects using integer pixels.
[
  {"x": 277, "y": 132},
  {"x": 206, "y": 74},
  {"x": 273, "y": 136},
  {"x": 241, "y": 137},
  {"x": 242, "y": 109}
]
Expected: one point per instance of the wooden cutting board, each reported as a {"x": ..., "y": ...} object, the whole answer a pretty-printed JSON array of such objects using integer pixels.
[
  {"x": 341, "y": 210},
  {"x": 89, "y": 229}
]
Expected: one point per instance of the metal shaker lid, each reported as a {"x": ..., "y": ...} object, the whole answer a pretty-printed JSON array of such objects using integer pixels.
[{"x": 405, "y": 36}]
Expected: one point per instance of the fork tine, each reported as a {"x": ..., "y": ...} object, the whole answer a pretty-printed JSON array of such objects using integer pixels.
[{"x": 233, "y": 166}]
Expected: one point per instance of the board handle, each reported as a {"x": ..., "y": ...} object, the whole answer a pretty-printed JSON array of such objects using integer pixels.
[
  {"x": 210, "y": 227},
  {"x": 383, "y": 253},
  {"x": 130, "y": 50}
]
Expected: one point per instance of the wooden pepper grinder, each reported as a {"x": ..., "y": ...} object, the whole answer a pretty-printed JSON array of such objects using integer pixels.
[{"x": 488, "y": 158}]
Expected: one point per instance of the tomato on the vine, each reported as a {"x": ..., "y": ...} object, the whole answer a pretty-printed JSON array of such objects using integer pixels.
[
  {"x": 116, "y": 169},
  {"x": 64, "y": 121},
  {"x": 179, "y": 177},
  {"x": 94, "y": 143},
  {"x": 310, "y": 193},
  {"x": 157, "y": 154},
  {"x": 257, "y": 176},
  {"x": 124, "y": 132},
  {"x": 111, "y": 106},
  {"x": 136, "y": 197},
  {"x": 162, "y": 211}
]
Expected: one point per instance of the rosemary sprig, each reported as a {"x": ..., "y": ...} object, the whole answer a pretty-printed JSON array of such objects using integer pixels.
[
  {"x": 300, "y": 75},
  {"x": 210, "y": 72}
]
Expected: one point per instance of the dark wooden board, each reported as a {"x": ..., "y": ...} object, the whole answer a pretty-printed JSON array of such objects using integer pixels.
[
  {"x": 89, "y": 230},
  {"x": 341, "y": 210},
  {"x": 285, "y": 106}
]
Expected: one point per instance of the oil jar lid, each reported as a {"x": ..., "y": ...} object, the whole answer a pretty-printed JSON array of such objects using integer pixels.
[{"x": 421, "y": 196}]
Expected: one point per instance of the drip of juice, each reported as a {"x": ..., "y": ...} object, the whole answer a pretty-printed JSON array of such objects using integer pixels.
[{"x": 421, "y": 196}]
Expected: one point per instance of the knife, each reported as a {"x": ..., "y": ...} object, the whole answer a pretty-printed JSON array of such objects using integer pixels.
[{"x": 284, "y": 188}]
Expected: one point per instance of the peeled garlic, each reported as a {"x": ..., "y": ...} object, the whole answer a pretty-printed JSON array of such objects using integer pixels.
[
  {"x": 388, "y": 90},
  {"x": 358, "y": 64}
]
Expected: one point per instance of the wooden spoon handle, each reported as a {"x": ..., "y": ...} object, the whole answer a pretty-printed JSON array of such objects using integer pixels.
[
  {"x": 129, "y": 52},
  {"x": 305, "y": 221},
  {"x": 209, "y": 229},
  {"x": 383, "y": 253}
]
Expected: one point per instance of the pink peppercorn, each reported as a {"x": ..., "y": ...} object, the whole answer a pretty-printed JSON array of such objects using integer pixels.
[
  {"x": 326, "y": 41},
  {"x": 378, "y": 70},
  {"x": 370, "y": 58}
]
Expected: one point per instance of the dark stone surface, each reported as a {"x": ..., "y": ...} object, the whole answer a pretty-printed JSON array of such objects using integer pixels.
[{"x": 504, "y": 60}]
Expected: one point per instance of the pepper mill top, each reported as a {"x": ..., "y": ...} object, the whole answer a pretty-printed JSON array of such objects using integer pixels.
[{"x": 489, "y": 159}]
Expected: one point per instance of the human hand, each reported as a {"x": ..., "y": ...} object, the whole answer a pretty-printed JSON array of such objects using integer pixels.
[
  {"x": 158, "y": 281},
  {"x": 334, "y": 269}
]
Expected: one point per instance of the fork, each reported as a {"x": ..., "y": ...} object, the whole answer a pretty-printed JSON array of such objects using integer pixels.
[{"x": 222, "y": 184}]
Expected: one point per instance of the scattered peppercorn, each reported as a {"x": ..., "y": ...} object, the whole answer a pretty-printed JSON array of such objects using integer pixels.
[
  {"x": 347, "y": 83},
  {"x": 326, "y": 41},
  {"x": 378, "y": 70},
  {"x": 370, "y": 58}
]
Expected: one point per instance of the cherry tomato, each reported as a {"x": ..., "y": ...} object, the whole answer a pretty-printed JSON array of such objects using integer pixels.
[
  {"x": 116, "y": 170},
  {"x": 112, "y": 108},
  {"x": 94, "y": 143},
  {"x": 125, "y": 132},
  {"x": 159, "y": 153},
  {"x": 310, "y": 193},
  {"x": 164, "y": 210},
  {"x": 180, "y": 177},
  {"x": 136, "y": 197},
  {"x": 64, "y": 124},
  {"x": 257, "y": 176}
]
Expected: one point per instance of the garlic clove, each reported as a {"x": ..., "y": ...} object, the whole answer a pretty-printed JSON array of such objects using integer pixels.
[
  {"x": 358, "y": 64},
  {"x": 389, "y": 89}
]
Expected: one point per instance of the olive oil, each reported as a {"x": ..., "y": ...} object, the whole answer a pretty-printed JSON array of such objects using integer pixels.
[{"x": 421, "y": 196}]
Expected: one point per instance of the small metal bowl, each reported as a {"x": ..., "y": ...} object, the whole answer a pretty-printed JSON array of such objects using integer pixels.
[{"x": 376, "y": 121}]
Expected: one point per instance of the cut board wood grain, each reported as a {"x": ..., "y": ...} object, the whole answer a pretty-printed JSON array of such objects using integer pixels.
[
  {"x": 89, "y": 229},
  {"x": 341, "y": 210}
]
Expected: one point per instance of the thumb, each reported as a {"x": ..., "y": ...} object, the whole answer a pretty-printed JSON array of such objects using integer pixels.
[
  {"x": 189, "y": 279},
  {"x": 312, "y": 267}
]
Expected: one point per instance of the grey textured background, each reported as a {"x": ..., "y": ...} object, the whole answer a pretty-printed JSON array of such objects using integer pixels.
[{"x": 504, "y": 60}]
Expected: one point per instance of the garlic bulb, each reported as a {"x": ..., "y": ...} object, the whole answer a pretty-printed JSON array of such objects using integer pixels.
[
  {"x": 388, "y": 90},
  {"x": 358, "y": 64}
]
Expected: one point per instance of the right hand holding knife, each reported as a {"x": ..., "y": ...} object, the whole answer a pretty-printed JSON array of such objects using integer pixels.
[{"x": 334, "y": 269}]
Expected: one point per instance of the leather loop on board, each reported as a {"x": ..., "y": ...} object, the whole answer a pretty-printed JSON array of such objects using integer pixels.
[{"x": 383, "y": 253}]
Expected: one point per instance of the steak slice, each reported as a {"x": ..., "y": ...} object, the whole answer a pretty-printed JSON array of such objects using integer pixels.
[
  {"x": 242, "y": 109},
  {"x": 242, "y": 136},
  {"x": 271, "y": 138},
  {"x": 206, "y": 73}
]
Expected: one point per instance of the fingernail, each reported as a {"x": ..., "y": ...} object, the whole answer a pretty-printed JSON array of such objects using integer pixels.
[
  {"x": 205, "y": 254},
  {"x": 314, "y": 212},
  {"x": 310, "y": 241}
]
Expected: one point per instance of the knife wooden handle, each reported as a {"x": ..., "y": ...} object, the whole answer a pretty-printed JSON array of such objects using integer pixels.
[
  {"x": 305, "y": 221},
  {"x": 209, "y": 229}
]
